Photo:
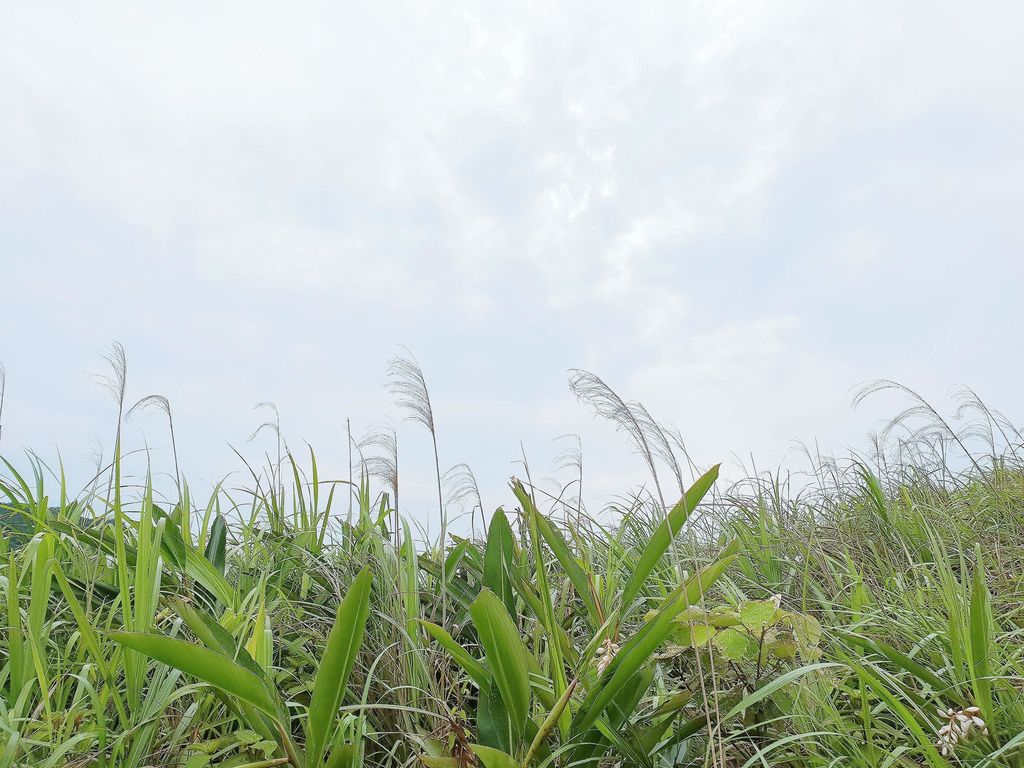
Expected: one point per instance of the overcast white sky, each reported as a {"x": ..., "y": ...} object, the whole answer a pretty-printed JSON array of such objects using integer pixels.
[{"x": 732, "y": 211}]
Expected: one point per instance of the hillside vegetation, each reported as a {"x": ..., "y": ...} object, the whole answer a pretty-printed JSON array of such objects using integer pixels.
[{"x": 868, "y": 617}]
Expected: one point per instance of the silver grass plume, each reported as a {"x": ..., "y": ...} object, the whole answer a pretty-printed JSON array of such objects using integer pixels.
[
  {"x": 659, "y": 441},
  {"x": 928, "y": 437},
  {"x": 989, "y": 420},
  {"x": 570, "y": 459},
  {"x": 274, "y": 425},
  {"x": 163, "y": 405},
  {"x": 407, "y": 384},
  {"x": 116, "y": 383},
  {"x": 590, "y": 389},
  {"x": 378, "y": 453},
  {"x": 460, "y": 484}
]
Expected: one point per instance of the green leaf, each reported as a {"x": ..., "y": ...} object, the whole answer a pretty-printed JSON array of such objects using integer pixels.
[
  {"x": 736, "y": 645},
  {"x": 209, "y": 666},
  {"x": 451, "y": 563},
  {"x": 498, "y": 558},
  {"x": 662, "y": 536},
  {"x": 336, "y": 664},
  {"x": 781, "y": 644},
  {"x": 906, "y": 663},
  {"x": 639, "y": 648},
  {"x": 924, "y": 740},
  {"x": 981, "y": 641},
  {"x": 560, "y": 549},
  {"x": 344, "y": 756},
  {"x": 758, "y": 614},
  {"x": 556, "y": 666},
  {"x": 769, "y": 688},
  {"x": 209, "y": 632},
  {"x": 216, "y": 543},
  {"x": 206, "y": 573},
  {"x": 506, "y": 655},
  {"x": 474, "y": 668},
  {"x": 492, "y": 720},
  {"x": 493, "y": 758}
]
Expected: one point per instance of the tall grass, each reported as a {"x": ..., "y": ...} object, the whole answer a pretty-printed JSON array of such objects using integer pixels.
[{"x": 842, "y": 620}]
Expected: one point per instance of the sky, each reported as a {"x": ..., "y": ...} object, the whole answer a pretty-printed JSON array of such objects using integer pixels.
[{"x": 733, "y": 212}]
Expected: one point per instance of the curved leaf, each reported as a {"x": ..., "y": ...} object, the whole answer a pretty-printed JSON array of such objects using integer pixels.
[
  {"x": 506, "y": 655},
  {"x": 662, "y": 536},
  {"x": 209, "y": 666},
  {"x": 473, "y": 668},
  {"x": 336, "y": 664},
  {"x": 498, "y": 558}
]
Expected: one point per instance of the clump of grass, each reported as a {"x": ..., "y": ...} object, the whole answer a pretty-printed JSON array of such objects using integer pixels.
[{"x": 854, "y": 619}]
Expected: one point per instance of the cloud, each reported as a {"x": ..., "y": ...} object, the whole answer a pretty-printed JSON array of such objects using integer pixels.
[{"x": 733, "y": 210}]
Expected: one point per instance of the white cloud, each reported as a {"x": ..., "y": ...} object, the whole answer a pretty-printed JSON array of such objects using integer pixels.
[{"x": 751, "y": 205}]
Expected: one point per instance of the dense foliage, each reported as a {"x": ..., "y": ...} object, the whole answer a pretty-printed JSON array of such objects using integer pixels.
[{"x": 872, "y": 619}]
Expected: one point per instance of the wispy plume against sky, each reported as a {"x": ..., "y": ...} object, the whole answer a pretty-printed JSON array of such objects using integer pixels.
[{"x": 733, "y": 212}]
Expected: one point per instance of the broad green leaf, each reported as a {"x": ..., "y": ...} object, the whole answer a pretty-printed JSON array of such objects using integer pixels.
[
  {"x": 216, "y": 543},
  {"x": 506, "y": 656},
  {"x": 699, "y": 634},
  {"x": 663, "y": 535},
  {"x": 736, "y": 645},
  {"x": 498, "y": 558},
  {"x": 493, "y": 758},
  {"x": 474, "y": 668},
  {"x": 560, "y": 549},
  {"x": 336, "y": 664},
  {"x": 493, "y": 724},
  {"x": 638, "y": 650},
  {"x": 758, "y": 614},
  {"x": 209, "y": 666}
]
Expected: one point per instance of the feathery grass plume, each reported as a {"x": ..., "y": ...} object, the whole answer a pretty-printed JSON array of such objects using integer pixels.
[
  {"x": 651, "y": 442},
  {"x": 929, "y": 436},
  {"x": 163, "y": 405},
  {"x": 407, "y": 384},
  {"x": 460, "y": 483},
  {"x": 570, "y": 459},
  {"x": 659, "y": 441},
  {"x": 378, "y": 455},
  {"x": 116, "y": 383},
  {"x": 275, "y": 472},
  {"x": 590, "y": 389},
  {"x": 381, "y": 464},
  {"x": 675, "y": 436},
  {"x": 989, "y": 422}
]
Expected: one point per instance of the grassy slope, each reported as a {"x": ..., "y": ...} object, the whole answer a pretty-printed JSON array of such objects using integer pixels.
[{"x": 847, "y": 620}]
